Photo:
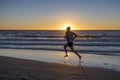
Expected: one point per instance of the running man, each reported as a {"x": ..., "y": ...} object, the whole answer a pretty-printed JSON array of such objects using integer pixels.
[{"x": 70, "y": 36}]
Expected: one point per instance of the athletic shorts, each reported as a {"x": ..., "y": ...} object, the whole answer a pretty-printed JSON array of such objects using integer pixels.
[{"x": 70, "y": 44}]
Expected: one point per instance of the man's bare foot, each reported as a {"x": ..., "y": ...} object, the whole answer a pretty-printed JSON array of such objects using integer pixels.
[{"x": 65, "y": 56}]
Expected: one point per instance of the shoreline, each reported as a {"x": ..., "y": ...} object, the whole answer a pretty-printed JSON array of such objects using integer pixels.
[
  {"x": 80, "y": 51},
  {"x": 17, "y": 69}
]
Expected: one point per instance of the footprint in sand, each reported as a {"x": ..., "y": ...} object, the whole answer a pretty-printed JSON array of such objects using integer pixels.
[{"x": 77, "y": 76}]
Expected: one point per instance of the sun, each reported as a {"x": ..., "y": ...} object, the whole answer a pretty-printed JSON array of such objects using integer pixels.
[{"x": 66, "y": 25}]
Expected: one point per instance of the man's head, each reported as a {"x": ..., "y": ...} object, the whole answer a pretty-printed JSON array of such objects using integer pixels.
[{"x": 68, "y": 28}]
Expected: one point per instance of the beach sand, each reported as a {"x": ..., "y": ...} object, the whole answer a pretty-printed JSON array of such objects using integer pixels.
[{"x": 22, "y": 69}]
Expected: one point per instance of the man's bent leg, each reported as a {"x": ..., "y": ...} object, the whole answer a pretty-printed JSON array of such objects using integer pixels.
[{"x": 75, "y": 52}]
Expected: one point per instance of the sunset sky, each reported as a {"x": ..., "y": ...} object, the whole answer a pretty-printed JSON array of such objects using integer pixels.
[{"x": 57, "y": 14}]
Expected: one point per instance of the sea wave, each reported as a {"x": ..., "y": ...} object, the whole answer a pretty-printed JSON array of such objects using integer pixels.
[{"x": 98, "y": 42}]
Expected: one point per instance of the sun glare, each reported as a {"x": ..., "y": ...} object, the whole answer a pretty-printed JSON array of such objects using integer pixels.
[{"x": 66, "y": 25}]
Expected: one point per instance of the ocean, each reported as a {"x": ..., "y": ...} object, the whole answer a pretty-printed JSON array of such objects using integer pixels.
[{"x": 102, "y": 42}]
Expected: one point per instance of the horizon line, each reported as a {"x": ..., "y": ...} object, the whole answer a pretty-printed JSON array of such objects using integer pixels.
[{"x": 57, "y": 29}]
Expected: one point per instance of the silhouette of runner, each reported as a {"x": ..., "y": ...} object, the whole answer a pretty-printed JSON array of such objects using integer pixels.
[{"x": 70, "y": 36}]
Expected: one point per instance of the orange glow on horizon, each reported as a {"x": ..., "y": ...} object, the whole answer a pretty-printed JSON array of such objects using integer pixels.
[{"x": 57, "y": 26}]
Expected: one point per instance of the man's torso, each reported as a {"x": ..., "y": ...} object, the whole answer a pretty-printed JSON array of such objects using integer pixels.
[{"x": 70, "y": 36}]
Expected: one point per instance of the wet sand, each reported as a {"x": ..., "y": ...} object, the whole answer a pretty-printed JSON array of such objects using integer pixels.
[
  {"x": 22, "y": 69},
  {"x": 93, "y": 60}
]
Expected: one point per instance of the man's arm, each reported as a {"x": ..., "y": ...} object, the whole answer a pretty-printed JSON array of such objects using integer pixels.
[{"x": 75, "y": 35}]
